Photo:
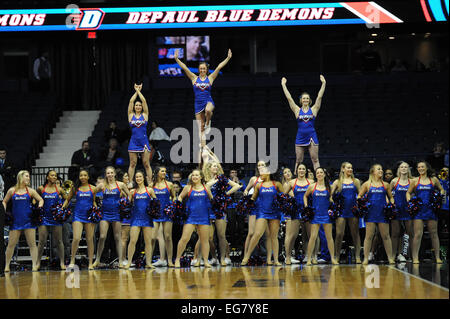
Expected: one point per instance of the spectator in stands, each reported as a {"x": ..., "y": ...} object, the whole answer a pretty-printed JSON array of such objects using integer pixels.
[
  {"x": 157, "y": 134},
  {"x": 109, "y": 156},
  {"x": 113, "y": 132},
  {"x": 7, "y": 171},
  {"x": 176, "y": 177},
  {"x": 371, "y": 61},
  {"x": 443, "y": 214},
  {"x": 82, "y": 159},
  {"x": 177, "y": 188},
  {"x": 234, "y": 177},
  {"x": 42, "y": 72},
  {"x": 436, "y": 159},
  {"x": 398, "y": 66}
]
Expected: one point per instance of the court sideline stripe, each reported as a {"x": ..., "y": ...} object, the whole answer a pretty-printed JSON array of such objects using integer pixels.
[{"x": 417, "y": 277}]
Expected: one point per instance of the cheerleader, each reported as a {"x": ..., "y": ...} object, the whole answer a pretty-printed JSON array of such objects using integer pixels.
[
  {"x": 112, "y": 193},
  {"x": 400, "y": 186},
  {"x": 125, "y": 224},
  {"x": 211, "y": 170},
  {"x": 321, "y": 198},
  {"x": 138, "y": 119},
  {"x": 85, "y": 195},
  {"x": 423, "y": 186},
  {"x": 306, "y": 116},
  {"x": 140, "y": 219},
  {"x": 296, "y": 188},
  {"x": 287, "y": 176},
  {"x": 202, "y": 84},
  {"x": 52, "y": 195},
  {"x": 349, "y": 187},
  {"x": 22, "y": 196},
  {"x": 197, "y": 208},
  {"x": 249, "y": 190},
  {"x": 162, "y": 231},
  {"x": 379, "y": 194},
  {"x": 266, "y": 215}
]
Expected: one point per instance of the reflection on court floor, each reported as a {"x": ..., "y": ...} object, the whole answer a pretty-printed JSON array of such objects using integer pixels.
[{"x": 288, "y": 282}]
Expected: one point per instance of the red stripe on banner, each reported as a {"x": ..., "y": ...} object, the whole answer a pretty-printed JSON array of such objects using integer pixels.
[
  {"x": 425, "y": 10},
  {"x": 370, "y": 12}
]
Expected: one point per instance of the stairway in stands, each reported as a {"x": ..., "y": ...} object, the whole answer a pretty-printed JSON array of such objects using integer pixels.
[{"x": 72, "y": 128}]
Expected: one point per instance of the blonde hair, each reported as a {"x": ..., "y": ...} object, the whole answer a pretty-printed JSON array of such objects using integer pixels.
[
  {"x": 342, "y": 176},
  {"x": 202, "y": 177},
  {"x": 20, "y": 178},
  {"x": 206, "y": 171},
  {"x": 372, "y": 169},
  {"x": 409, "y": 170}
]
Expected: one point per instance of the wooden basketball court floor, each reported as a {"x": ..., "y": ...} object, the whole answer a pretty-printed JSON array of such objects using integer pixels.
[{"x": 233, "y": 282}]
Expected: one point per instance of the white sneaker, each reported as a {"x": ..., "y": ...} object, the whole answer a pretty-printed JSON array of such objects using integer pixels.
[
  {"x": 194, "y": 262},
  {"x": 305, "y": 259},
  {"x": 294, "y": 261},
  {"x": 370, "y": 256},
  {"x": 160, "y": 263},
  {"x": 213, "y": 261},
  {"x": 321, "y": 261},
  {"x": 227, "y": 261},
  {"x": 202, "y": 263},
  {"x": 124, "y": 262},
  {"x": 208, "y": 128},
  {"x": 401, "y": 258}
]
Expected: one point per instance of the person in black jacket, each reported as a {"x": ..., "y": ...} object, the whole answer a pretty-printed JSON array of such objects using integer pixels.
[
  {"x": 6, "y": 170},
  {"x": 82, "y": 159}
]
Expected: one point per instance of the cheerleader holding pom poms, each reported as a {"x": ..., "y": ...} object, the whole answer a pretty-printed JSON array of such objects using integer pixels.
[
  {"x": 113, "y": 191},
  {"x": 306, "y": 115},
  {"x": 321, "y": 197},
  {"x": 140, "y": 219},
  {"x": 52, "y": 195},
  {"x": 378, "y": 195},
  {"x": 202, "y": 84},
  {"x": 425, "y": 187},
  {"x": 400, "y": 186},
  {"x": 163, "y": 225},
  {"x": 22, "y": 211},
  {"x": 138, "y": 119},
  {"x": 267, "y": 215},
  {"x": 347, "y": 187},
  {"x": 85, "y": 195},
  {"x": 197, "y": 209}
]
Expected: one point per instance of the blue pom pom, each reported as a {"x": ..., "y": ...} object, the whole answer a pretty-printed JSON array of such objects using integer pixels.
[
  {"x": 333, "y": 211},
  {"x": 308, "y": 213},
  {"x": 361, "y": 209},
  {"x": 414, "y": 206},
  {"x": 219, "y": 204},
  {"x": 176, "y": 212},
  {"x": 154, "y": 208},
  {"x": 286, "y": 204},
  {"x": 436, "y": 201},
  {"x": 37, "y": 215},
  {"x": 245, "y": 205},
  {"x": 120, "y": 161},
  {"x": 390, "y": 211}
]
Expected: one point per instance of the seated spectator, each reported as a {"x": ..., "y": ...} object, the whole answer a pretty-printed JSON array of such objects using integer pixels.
[
  {"x": 398, "y": 66},
  {"x": 82, "y": 159},
  {"x": 176, "y": 177},
  {"x": 109, "y": 156},
  {"x": 158, "y": 134},
  {"x": 113, "y": 132},
  {"x": 436, "y": 159},
  {"x": 234, "y": 177},
  {"x": 6, "y": 170}
]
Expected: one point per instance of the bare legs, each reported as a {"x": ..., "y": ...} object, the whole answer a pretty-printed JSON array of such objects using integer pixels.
[
  {"x": 292, "y": 228},
  {"x": 14, "y": 236},
  {"x": 384, "y": 233},
  {"x": 312, "y": 241},
  {"x": 418, "y": 232},
  {"x": 77, "y": 228},
  {"x": 261, "y": 226},
  {"x": 145, "y": 162},
  {"x": 354, "y": 230},
  {"x": 313, "y": 153},
  {"x": 57, "y": 237},
  {"x": 203, "y": 232}
]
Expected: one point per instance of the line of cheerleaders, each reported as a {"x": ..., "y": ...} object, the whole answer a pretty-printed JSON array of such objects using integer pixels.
[{"x": 202, "y": 189}]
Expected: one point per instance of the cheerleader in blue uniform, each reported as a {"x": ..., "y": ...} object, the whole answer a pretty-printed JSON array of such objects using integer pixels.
[
  {"x": 138, "y": 119},
  {"x": 266, "y": 215},
  {"x": 296, "y": 188},
  {"x": 249, "y": 190},
  {"x": 379, "y": 194},
  {"x": 140, "y": 219},
  {"x": 112, "y": 193},
  {"x": 423, "y": 186},
  {"x": 162, "y": 231},
  {"x": 202, "y": 83},
  {"x": 52, "y": 195},
  {"x": 211, "y": 170},
  {"x": 22, "y": 197},
  {"x": 400, "y": 186},
  {"x": 197, "y": 208},
  {"x": 306, "y": 115},
  {"x": 349, "y": 187},
  {"x": 321, "y": 198},
  {"x": 125, "y": 223},
  {"x": 85, "y": 195}
]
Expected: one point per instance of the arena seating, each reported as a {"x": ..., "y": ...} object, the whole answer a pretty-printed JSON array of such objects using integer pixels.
[
  {"x": 26, "y": 120},
  {"x": 364, "y": 118}
]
